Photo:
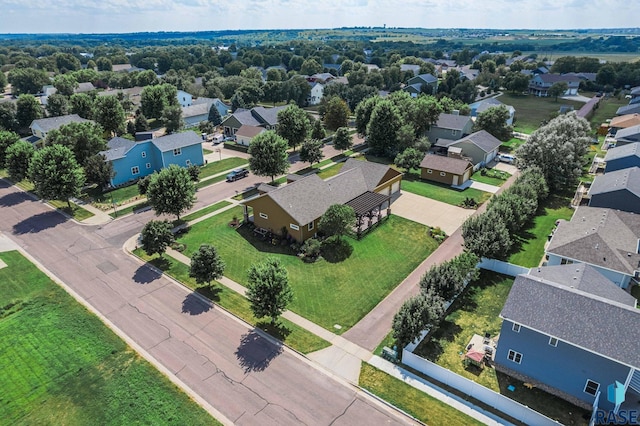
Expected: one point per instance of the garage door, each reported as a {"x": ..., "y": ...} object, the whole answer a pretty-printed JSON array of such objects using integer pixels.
[{"x": 395, "y": 187}]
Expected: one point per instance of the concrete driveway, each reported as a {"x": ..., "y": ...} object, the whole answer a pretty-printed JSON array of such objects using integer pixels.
[{"x": 430, "y": 212}]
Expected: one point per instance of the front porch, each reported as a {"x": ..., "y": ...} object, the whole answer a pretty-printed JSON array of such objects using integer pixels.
[{"x": 368, "y": 208}]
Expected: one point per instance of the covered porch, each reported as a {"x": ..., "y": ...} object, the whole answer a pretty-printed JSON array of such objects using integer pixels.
[{"x": 369, "y": 209}]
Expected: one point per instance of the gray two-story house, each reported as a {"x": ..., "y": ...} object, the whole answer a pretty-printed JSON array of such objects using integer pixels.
[{"x": 450, "y": 127}]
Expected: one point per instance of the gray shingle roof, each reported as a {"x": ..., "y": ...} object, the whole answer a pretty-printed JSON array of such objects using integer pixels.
[
  {"x": 456, "y": 166},
  {"x": 51, "y": 123},
  {"x": 591, "y": 322},
  {"x": 427, "y": 78},
  {"x": 630, "y": 150},
  {"x": 245, "y": 117},
  {"x": 629, "y": 131},
  {"x": 373, "y": 172},
  {"x": 628, "y": 109},
  {"x": 452, "y": 121},
  {"x": 177, "y": 140},
  {"x": 600, "y": 237},
  {"x": 196, "y": 109},
  {"x": 485, "y": 104},
  {"x": 628, "y": 179},
  {"x": 482, "y": 139},
  {"x": 267, "y": 115},
  {"x": 118, "y": 147}
]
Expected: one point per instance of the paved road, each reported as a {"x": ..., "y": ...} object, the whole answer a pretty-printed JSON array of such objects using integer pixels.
[{"x": 249, "y": 379}]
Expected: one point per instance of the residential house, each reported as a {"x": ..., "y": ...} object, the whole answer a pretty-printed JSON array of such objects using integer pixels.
[
  {"x": 571, "y": 332},
  {"x": 622, "y": 122},
  {"x": 541, "y": 83},
  {"x": 451, "y": 127},
  {"x": 246, "y": 133},
  {"x": 619, "y": 190},
  {"x": 485, "y": 104},
  {"x": 447, "y": 170},
  {"x": 423, "y": 83},
  {"x": 479, "y": 147},
  {"x": 133, "y": 160},
  {"x": 42, "y": 126},
  {"x": 315, "y": 95},
  {"x": 629, "y": 109},
  {"x": 415, "y": 69},
  {"x": 257, "y": 116},
  {"x": 222, "y": 108},
  {"x": 467, "y": 73},
  {"x": 49, "y": 90},
  {"x": 322, "y": 77},
  {"x": 628, "y": 135},
  {"x": 622, "y": 157},
  {"x": 132, "y": 94},
  {"x": 184, "y": 99},
  {"x": 606, "y": 239},
  {"x": 199, "y": 110},
  {"x": 299, "y": 205}
]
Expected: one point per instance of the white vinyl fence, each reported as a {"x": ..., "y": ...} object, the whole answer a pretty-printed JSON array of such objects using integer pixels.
[
  {"x": 479, "y": 392},
  {"x": 502, "y": 267}
]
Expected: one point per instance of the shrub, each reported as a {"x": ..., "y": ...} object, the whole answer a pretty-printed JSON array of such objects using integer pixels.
[{"x": 310, "y": 250}]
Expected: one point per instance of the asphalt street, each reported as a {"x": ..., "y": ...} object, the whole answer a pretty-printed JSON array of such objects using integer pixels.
[{"x": 247, "y": 377}]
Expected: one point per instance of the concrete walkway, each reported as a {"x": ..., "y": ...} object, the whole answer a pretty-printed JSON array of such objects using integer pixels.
[
  {"x": 484, "y": 187},
  {"x": 99, "y": 217}
]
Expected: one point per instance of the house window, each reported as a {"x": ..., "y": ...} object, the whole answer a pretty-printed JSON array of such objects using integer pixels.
[
  {"x": 553, "y": 341},
  {"x": 454, "y": 132},
  {"x": 516, "y": 327},
  {"x": 294, "y": 227},
  {"x": 310, "y": 226},
  {"x": 135, "y": 170},
  {"x": 264, "y": 216},
  {"x": 148, "y": 165},
  {"x": 514, "y": 356},
  {"x": 144, "y": 154},
  {"x": 591, "y": 387},
  {"x": 566, "y": 262},
  {"x": 429, "y": 171},
  {"x": 443, "y": 174},
  {"x": 188, "y": 162},
  {"x": 177, "y": 151}
]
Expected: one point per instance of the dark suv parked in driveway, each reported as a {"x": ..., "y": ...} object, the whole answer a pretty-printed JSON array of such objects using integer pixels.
[{"x": 237, "y": 174}]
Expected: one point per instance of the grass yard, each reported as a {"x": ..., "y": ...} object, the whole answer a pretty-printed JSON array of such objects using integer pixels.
[
  {"x": 441, "y": 192},
  {"x": 511, "y": 145},
  {"x": 476, "y": 312},
  {"x": 206, "y": 151},
  {"x": 205, "y": 211},
  {"x": 325, "y": 293},
  {"x": 205, "y": 183},
  {"x": 420, "y": 405},
  {"x": 118, "y": 196},
  {"x": 223, "y": 165},
  {"x": 606, "y": 110},
  {"x": 491, "y": 176},
  {"x": 531, "y": 110},
  {"x": 76, "y": 211},
  {"x": 529, "y": 243},
  {"x": 293, "y": 335},
  {"x": 130, "y": 209},
  {"x": 330, "y": 171},
  {"x": 61, "y": 365}
]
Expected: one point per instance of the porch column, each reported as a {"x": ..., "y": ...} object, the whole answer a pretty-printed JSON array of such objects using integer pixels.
[{"x": 245, "y": 210}]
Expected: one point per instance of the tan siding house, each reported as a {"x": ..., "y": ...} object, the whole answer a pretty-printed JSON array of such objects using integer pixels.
[{"x": 447, "y": 170}]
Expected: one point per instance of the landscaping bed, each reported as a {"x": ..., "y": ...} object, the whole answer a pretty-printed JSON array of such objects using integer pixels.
[{"x": 491, "y": 176}]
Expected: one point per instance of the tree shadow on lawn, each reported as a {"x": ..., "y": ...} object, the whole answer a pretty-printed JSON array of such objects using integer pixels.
[
  {"x": 264, "y": 246},
  {"x": 194, "y": 305},
  {"x": 255, "y": 353},
  {"x": 336, "y": 250},
  {"x": 431, "y": 348},
  {"x": 39, "y": 222}
]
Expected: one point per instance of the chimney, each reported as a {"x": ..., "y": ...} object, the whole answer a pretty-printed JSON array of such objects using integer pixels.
[{"x": 455, "y": 112}]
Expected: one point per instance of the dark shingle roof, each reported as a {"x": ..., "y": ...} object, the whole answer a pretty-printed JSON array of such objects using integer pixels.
[
  {"x": 118, "y": 147},
  {"x": 51, "y": 123},
  {"x": 245, "y": 117},
  {"x": 628, "y": 109},
  {"x": 591, "y": 322},
  {"x": 195, "y": 109},
  {"x": 452, "y": 121},
  {"x": 483, "y": 140},
  {"x": 177, "y": 140},
  {"x": 628, "y": 179},
  {"x": 267, "y": 116},
  {"x": 373, "y": 172},
  {"x": 630, "y": 150},
  {"x": 601, "y": 237},
  {"x": 456, "y": 166},
  {"x": 629, "y": 131}
]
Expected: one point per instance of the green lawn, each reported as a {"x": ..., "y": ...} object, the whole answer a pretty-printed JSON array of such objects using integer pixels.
[
  {"x": 206, "y": 151},
  {"x": 293, "y": 335},
  {"x": 606, "y": 110},
  {"x": 221, "y": 166},
  {"x": 529, "y": 247},
  {"x": 61, "y": 365},
  {"x": 204, "y": 183},
  {"x": 531, "y": 110},
  {"x": 117, "y": 196},
  {"x": 492, "y": 177},
  {"x": 325, "y": 293},
  {"x": 130, "y": 209},
  {"x": 441, "y": 192},
  {"x": 511, "y": 145},
  {"x": 205, "y": 211},
  {"x": 76, "y": 211},
  {"x": 420, "y": 405},
  {"x": 476, "y": 312}
]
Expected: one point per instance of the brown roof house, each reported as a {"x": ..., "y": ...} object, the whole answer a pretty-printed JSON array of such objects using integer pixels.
[
  {"x": 299, "y": 205},
  {"x": 479, "y": 147},
  {"x": 448, "y": 170}
]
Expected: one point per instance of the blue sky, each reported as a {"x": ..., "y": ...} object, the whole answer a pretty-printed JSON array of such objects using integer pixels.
[{"x": 120, "y": 16}]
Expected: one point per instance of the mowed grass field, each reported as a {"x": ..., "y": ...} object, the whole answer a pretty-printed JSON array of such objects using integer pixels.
[
  {"x": 60, "y": 365},
  {"x": 532, "y": 110},
  {"x": 325, "y": 293}
]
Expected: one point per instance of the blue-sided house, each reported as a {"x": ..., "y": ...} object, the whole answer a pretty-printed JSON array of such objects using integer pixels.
[
  {"x": 571, "y": 332},
  {"x": 133, "y": 160},
  {"x": 622, "y": 157}
]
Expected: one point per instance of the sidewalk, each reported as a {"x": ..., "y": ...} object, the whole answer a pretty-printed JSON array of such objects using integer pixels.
[{"x": 99, "y": 217}]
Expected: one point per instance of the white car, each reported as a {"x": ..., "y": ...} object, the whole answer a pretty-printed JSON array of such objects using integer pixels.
[{"x": 507, "y": 158}]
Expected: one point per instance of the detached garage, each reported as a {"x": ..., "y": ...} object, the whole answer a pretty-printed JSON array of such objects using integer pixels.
[{"x": 447, "y": 170}]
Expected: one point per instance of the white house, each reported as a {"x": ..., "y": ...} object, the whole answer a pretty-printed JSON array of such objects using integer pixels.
[{"x": 316, "y": 93}]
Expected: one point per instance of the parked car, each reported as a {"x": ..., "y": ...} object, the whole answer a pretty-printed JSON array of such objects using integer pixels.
[
  {"x": 507, "y": 158},
  {"x": 230, "y": 139},
  {"x": 236, "y": 174},
  {"x": 216, "y": 139}
]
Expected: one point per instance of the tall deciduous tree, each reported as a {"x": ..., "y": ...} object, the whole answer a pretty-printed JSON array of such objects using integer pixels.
[
  {"x": 311, "y": 151},
  {"x": 65, "y": 84},
  {"x": 409, "y": 159},
  {"x": 7, "y": 139},
  {"x": 172, "y": 118},
  {"x": 342, "y": 139},
  {"x": 84, "y": 139},
  {"x": 206, "y": 265},
  {"x": 98, "y": 171},
  {"x": 55, "y": 173},
  {"x": 336, "y": 113},
  {"x": 110, "y": 114},
  {"x": 27, "y": 80},
  {"x": 18, "y": 157},
  {"x": 57, "y": 105},
  {"x": 317, "y": 131},
  {"x": 27, "y": 109},
  {"x": 269, "y": 156},
  {"x": 293, "y": 125},
  {"x": 171, "y": 191},
  {"x": 8, "y": 116},
  {"x": 268, "y": 291},
  {"x": 494, "y": 121},
  {"x": 418, "y": 313},
  {"x": 81, "y": 104},
  {"x": 338, "y": 220},
  {"x": 156, "y": 236},
  {"x": 557, "y": 89},
  {"x": 382, "y": 130},
  {"x": 214, "y": 116},
  {"x": 486, "y": 235}
]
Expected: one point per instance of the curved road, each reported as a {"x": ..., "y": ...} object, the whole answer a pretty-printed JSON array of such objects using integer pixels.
[{"x": 245, "y": 376}]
